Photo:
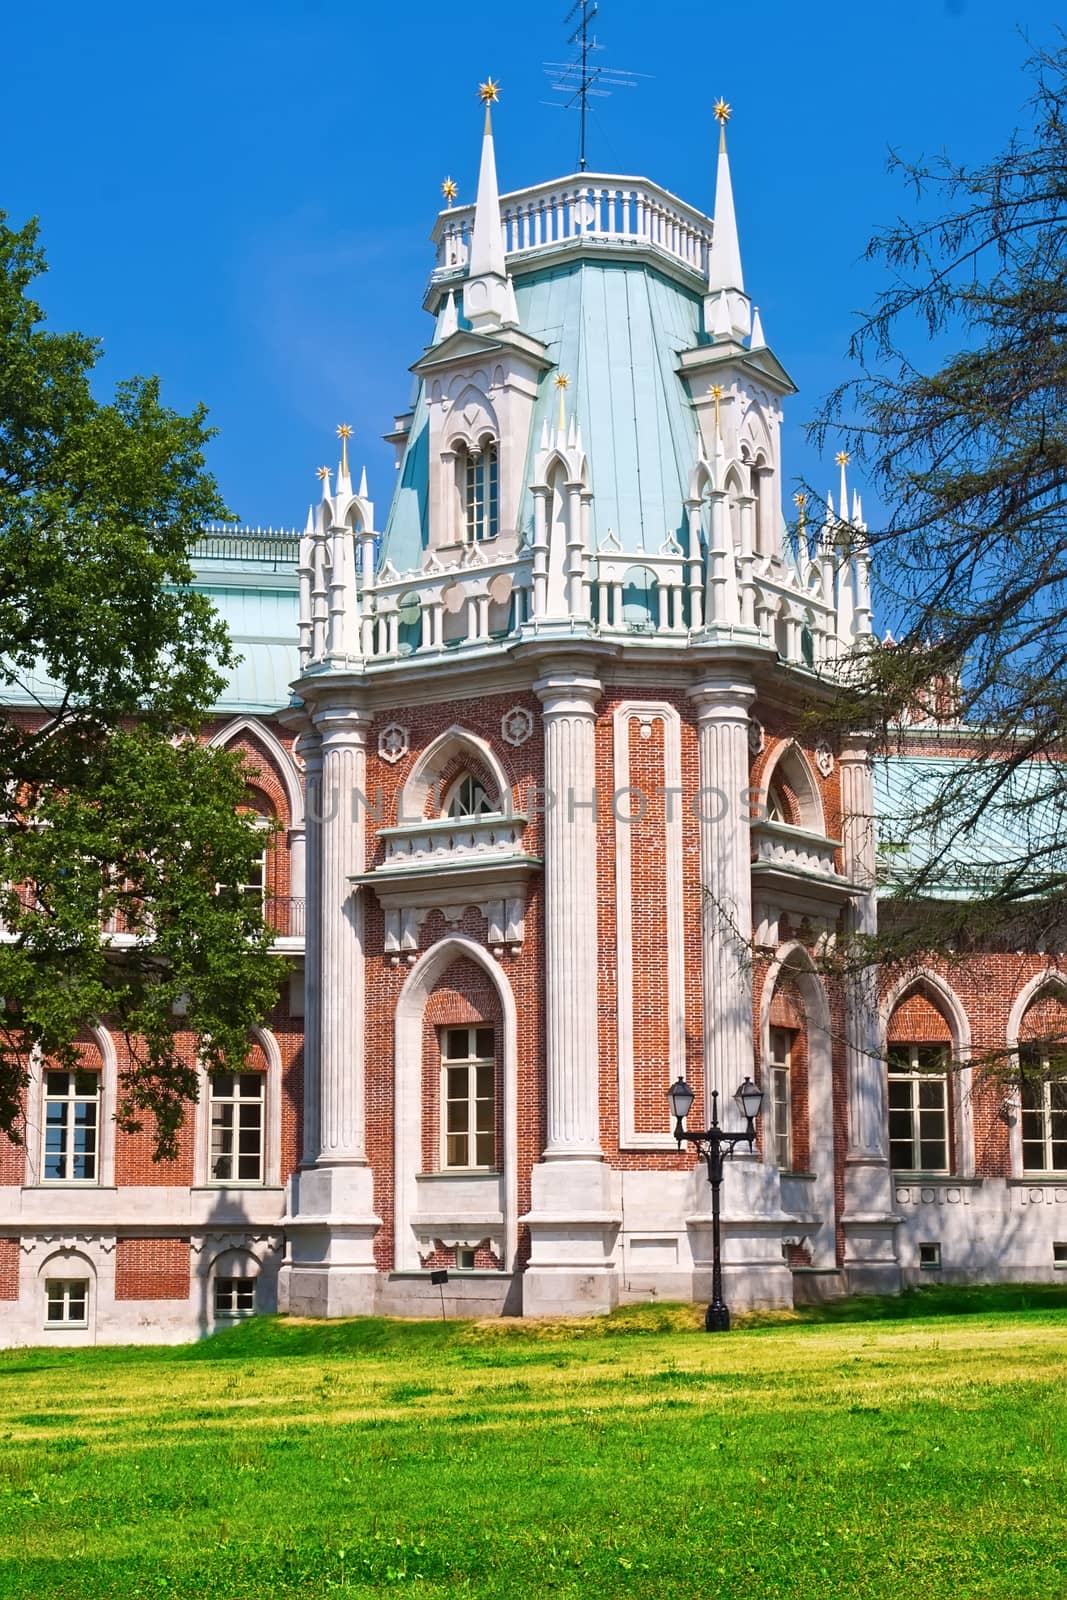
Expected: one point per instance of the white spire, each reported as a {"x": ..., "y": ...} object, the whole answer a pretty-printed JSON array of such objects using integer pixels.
[
  {"x": 449, "y": 322},
  {"x": 727, "y": 312},
  {"x": 724, "y": 263},
  {"x": 363, "y": 484},
  {"x": 488, "y": 294},
  {"x": 487, "y": 241},
  {"x": 758, "y": 340}
]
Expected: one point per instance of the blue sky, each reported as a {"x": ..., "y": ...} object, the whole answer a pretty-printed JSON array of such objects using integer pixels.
[{"x": 238, "y": 196}]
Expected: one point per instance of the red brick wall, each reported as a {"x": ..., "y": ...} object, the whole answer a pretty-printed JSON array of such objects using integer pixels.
[
  {"x": 787, "y": 1011},
  {"x": 152, "y": 1269},
  {"x": 916, "y": 1020},
  {"x": 9, "y": 1269}
]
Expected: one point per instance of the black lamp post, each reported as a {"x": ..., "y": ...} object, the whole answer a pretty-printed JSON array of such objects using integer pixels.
[{"x": 714, "y": 1145}]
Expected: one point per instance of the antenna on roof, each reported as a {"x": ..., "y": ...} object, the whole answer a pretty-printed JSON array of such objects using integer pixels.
[{"x": 579, "y": 79}]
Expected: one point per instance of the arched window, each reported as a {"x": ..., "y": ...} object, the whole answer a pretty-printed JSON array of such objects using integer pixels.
[
  {"x": 778, "y": 808},
  {"x": 639, "y": 598},
  {"x": 1043, "y": 1081},
  {"x": 468, "y": 797},
  {"x": 481, "y": 492},
  {"x": 919, "y": 1056}
]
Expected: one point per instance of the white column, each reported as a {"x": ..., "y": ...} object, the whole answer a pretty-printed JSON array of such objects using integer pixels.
[
  {"x": 342, "y": 1138},
  {"x": 309, "y": 747},
  {"x": 722, "y": 704},
  {"x": 571, "y": 966},
  {"x": 540, "y": 550},
  {"x": 868, "y": 1220},
  {"x": 866, "y": 1095}
]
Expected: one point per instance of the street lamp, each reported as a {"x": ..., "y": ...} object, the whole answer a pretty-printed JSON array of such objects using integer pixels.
[{"x": 714, "y": 1145}]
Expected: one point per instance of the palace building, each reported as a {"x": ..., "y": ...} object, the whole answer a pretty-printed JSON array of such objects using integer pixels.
[{"x": 551, "y": 836}]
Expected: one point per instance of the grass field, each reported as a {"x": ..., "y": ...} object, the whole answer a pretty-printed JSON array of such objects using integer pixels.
[{"x": 919, "y": 1454}]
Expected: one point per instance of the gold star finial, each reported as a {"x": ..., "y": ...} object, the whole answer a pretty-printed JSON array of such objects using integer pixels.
[
  {"x": 450, "y": 189},
  {"x": 344, "y": 433},
  {"x": 562, "y": 384},
  {"x": 323, "y": 473},
  {"x": 716, "y": 392},
  {"x": 488, "y": 92},
  {"x": 842, "y": 458},
  {"x": 723, "y": 111},
  {"x": 800, "y": 501}
]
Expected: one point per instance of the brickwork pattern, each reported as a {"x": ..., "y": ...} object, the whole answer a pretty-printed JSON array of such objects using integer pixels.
[
  {"x": 9, "y": 1269},
  {"x": 152, "y": 1269}
]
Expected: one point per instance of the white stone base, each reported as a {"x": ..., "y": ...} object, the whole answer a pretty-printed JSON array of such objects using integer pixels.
[
  {"x": 869, "y": 1224},
  {"x": 329, "y": 1268},
  {"x": 573, "y": 1223}
]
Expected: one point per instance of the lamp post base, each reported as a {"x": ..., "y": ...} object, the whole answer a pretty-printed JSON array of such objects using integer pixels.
[{"x": 717, "y": 1318}]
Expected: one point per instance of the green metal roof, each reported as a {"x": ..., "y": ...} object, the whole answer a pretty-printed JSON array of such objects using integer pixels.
[
  {"x": 1023, "y": 828},
  {"x": 616, "y": 329}
]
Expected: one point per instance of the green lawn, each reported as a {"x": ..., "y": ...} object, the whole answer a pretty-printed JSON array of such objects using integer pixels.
[{"x": 916, "y": 1455}]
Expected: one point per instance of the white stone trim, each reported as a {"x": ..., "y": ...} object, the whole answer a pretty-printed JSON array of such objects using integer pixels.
[
  {"x": 942, "y": 995},
  {"x": 454, "y": 741},
  {"x": 647, "y": 711},
  {"x": 109, "y": 1089},
  {"x": 287, "y": 769},
  {"x": 793, "y": 960},
  {"x": 272, "y": 1122},
  {"x": 812, "y": 818},
  {"x": 407, "y": 1113},
  {"x": 1052, "y": 978}
]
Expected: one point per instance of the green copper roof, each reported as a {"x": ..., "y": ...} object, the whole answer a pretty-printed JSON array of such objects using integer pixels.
[
  {"x": 1022, "y": 829},
  {"x": 616, "y": 329}
]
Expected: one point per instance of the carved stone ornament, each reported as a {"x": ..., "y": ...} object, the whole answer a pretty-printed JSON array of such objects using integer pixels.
[
  {"x": 393, "y": 743},
  {"x": 824, "y": 758},
  {"x": 756, "y": 739},
  {"x": 516, "y": 725}
]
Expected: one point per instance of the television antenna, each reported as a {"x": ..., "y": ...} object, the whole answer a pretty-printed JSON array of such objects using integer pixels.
[{"x": 579, "y": 79}]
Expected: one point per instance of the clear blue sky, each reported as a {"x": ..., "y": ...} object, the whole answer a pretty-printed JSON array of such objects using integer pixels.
[{"x": 237, "y": 196}]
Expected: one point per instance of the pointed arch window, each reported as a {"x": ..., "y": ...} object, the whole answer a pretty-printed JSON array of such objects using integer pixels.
[
  {"x": 1043, "y": 1097},
  {"x": 481, "y": 492},
  {"x": 918, "y": 1108},
  {"x": 469, "y": 797}
]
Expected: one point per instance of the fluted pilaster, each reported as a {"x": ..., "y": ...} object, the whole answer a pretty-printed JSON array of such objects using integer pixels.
[
  {"x": 309, "y": 747},
  {"x": 726, "y": 874},
  {"x": 866, "y": 1093},
  {"x": 572, "y": 1055},
  {"x": 342, "y": 1099}
]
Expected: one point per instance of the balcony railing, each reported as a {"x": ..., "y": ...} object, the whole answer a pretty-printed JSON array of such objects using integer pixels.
[
  {"x": 793, "y": 849},
  {"x": 600, "y": 209},
  {"x": 452, "y": 840},
  {"x": 285, "y": 916}
]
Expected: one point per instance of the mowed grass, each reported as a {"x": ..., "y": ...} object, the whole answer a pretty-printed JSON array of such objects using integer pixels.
[{"x": 918, "y": 1455}]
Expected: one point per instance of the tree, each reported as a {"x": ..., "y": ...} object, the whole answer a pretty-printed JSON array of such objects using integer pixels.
[
  {"x": 966, "y": 443},
  {"x": 114, "y": 813}
]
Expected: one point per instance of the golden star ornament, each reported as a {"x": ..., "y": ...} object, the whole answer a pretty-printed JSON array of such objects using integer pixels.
[
  {"x": 722, "y": 110},
  {"x": 488, "y": 92},
  {"x": 450, "y": 189}
]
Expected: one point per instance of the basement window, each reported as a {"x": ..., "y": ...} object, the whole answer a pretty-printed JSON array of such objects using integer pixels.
[
  {"x": 1059, "y": 1253},
  {"x": 465, "y": 1258},
  {"x": 930, "y": 1256},
  {"x": 67, "y": 1302},
  {"x": 235, "y": 1297}
]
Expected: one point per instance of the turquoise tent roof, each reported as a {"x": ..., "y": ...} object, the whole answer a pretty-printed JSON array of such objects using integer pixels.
[
  {"x": 616, "y": 329},
  {"x": 1023, "y": 828}
]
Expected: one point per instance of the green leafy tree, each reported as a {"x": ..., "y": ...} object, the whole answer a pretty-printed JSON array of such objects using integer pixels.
[
  {"x": 959, "y": 413},
  {"x": 115, "y": 815}
]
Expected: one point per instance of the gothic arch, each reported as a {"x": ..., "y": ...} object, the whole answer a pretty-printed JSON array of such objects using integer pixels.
[
  {"x": 794, "y": 961},
  {"x": 470, "y": 434},
  {"x": 109, "y": 1090},
  {"x": 791, "y": 764},
  {"x": 277, "y": 753},
  {"x": 455, "y": 741},
  {"x": 411, "y": 1003},
  {"x": 272, "y": 1115},
  {"x": 943, "y": 997},
  {"x": 1051, "y": 981}
]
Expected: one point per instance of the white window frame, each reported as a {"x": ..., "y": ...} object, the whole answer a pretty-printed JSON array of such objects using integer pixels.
[
  {"x": 272, "y": 1123},
  {"x": 452, "y": 798},
  {"x": 480, "y": 489},
  {"x": 69, "y": 1100},
  {"x": 36, "y": 1119},
  {"x": 780, "y": 1095},
  {"x": 915, "y": 1075},
  {"x": 1048, "y": 1114},
  {"x": 472, "y": 1062},
  {"x": 236, "y": 1101},
  {"x": 242, "y": 1285},
  {"x": 67, "y": 1288}
]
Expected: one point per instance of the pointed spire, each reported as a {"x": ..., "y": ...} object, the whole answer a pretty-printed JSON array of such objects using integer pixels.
[
  {"x": 842, "y": 458},
  {"x": 758, "y": 340},
  {"x": 724, "y": 265},
  {"x": 489, "y": 296},
  {"x": 323, "y": 475},
  {"x": 449, "y": 322},
  {"x": 344, "y": 479},
  {"x": 562, "y": 382},
  {"x": 363, "y": 484},
  {"x": 487, "y": 242}
]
